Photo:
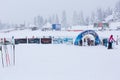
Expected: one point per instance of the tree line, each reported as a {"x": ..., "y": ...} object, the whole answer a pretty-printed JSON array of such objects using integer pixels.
[{"x": 78, "y": 18}]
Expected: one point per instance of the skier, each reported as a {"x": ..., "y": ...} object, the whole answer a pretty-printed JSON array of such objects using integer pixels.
[{"x": 110, "y": 41}]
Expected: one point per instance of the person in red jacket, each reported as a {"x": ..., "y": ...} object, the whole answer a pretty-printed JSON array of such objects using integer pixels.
[{"x": 110, "y": 41}]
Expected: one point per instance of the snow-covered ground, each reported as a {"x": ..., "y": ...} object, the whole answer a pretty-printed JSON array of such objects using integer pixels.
[{"x": 61, "y": 61}]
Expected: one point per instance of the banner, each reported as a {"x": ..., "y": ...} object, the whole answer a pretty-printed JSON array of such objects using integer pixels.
[
  {"x": 34, "y": 40},
  {"x": 46, "y": 40},
  {"x": 68, "y": 40},
  {"x": 21, "y": 40},
  {"x": 57, "y": 41}
]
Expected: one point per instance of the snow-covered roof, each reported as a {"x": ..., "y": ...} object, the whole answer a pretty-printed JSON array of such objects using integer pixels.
[
  {"x": 47, "y": 25},
  {"x": 109, "y": 18},
  {"x": 32, "y": 25},
  {"x": 81, "y": 27},
  {"x": 114, "y": 25}
]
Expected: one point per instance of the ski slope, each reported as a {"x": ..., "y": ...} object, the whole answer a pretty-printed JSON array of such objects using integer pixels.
[{"x": 61, "y": 61}]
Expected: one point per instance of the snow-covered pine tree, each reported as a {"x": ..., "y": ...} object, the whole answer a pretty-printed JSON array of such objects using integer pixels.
[
  {"x": 39, "y": 21},
  {"x": 108, "y": 12},
  {"x": 92, "y": 18},
  {"x": 100, "y": 15},
  {"x": 50, "y": 20},
  {"x": 87, "y": 21},
  {"x": 75, "y": 19},
  {"x": 56, "y": 19},
  {"x": 64, "y": 20},
  {"x": 117, "y": 11},
  {"x": 81, "y": 18}
]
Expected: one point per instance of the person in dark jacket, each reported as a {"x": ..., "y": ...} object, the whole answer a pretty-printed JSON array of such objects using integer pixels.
[
  {"x": 81, "y": 42},
  {"x": 110, "y": 41}
]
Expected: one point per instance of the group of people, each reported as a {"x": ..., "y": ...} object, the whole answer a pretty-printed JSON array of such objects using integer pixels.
[
  {"x": 89, "y": 42},
  {"x": 86, "y": 42}
]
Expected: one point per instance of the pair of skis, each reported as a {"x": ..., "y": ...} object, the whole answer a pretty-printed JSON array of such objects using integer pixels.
[{"x": 6, "y": 57}]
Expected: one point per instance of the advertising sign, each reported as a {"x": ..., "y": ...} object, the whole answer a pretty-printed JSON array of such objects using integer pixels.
[
  {"x": 68, "y": 40},
  {"x": 34, "y": 40},
  {"x": 105, "y": 25},
  {"x": 20, "y": 40},
  {"x": 46, "y": 40},
  {"x": 57, "y": 40}
]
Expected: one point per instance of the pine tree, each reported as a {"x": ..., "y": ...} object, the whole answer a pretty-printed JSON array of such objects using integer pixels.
[
  {"x": 100, "y": 16},
  {"x": 50, "y": 20},
  {"x": 75, "y": 19},
  {"x": 117, "y": 11},
  {"x": 81, "y": 18},
  {"x": 108, "y": 12},
  {"x": 39, "y": 21},
  {"x": 87, "y": 21},
  {"x": 92, "y": 18},
  {"x": 53, "y": 19},
  {"x": 0, "y": 24},
  {"x": 35, "y": 21},
  {"x": 64, "y": 20},
  {"x": 56, "y": 19}
]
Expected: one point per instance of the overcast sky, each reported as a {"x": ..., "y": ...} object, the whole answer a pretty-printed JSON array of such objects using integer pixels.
[{"x": 18, "y": 11}]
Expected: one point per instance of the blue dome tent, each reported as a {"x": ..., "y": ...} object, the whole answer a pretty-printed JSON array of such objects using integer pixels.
[{"x": 91, "y": 32}]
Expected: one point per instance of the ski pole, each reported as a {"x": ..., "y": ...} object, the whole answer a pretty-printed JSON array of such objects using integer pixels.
[
  {"x": 13, "y": 44},
  {"x": 2, "y": 56},
  {"x": 13, "y": 54}
]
